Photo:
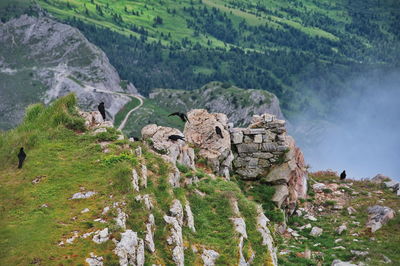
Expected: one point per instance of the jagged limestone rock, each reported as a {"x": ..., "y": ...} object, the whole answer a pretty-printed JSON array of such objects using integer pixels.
[
  {"x": 146, "y": 199},
  {"x": 240, "y": 226},
  {"x": 209, "y": 257},
  {"x": 268, "y": 241},
  {"x": 175, "y": 239},
  {"x": 83, "y": 195},
  {"x": 201, "y": 133},
  {"x": 177, "y": 151},
  {"x": 149, "y": 238},
  {"x": 174, "y": 178},
  {"x": 135, "y": 180},
  {"x": 342, "y": 263},
  {"x": 130, "y": 249},
  {"x": 189, "y": 217},
  {"x": 101, "y": 236},
  {"x": 281, "y": 194},
  {"x": 120, "y": 220},
  {"x": 176, "y": 211},
  {"x": 378, "y": 216},
  {"x": 143, "y": 178},
  {"x": 94, "y": 260}
]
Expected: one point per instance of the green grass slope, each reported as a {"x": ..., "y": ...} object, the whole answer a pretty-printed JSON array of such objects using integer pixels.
[{"x": 68, "y": 159}]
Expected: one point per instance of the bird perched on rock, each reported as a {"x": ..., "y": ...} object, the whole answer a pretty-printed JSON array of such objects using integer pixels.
[
  {"x": 102, "y": 110},
  {"x": 21, "y": 157},
  {"x": 182, "y": 116},
  {"x": 219, "y": 131},
  {"x": 176, "y": 137},
  {"x": 343, "y": 175}
]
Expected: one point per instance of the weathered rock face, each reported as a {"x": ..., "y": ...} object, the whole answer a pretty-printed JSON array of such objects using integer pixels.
[
  {"x": 53, "y": 60},
  {"x": 264, "y": 152},
  {"x": 378, "y": 216},
  {"x": 201, "y": 131},
  {"x": 177, "y": 151}
]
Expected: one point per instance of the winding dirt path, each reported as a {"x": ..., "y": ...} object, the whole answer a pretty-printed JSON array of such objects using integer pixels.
[{"x": 123, "y": 123}]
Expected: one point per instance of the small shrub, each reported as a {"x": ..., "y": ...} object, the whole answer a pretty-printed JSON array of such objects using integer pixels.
[
  {"x": 113, "y": 159},
  {"x": 110, "y": 135},
  {"x": 182, "y": 168},
  {"x": 330, "y": 203},
  {"x": 327, "y": 190}
]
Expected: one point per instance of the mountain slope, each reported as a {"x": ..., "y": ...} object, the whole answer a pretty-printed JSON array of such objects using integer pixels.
[
  {"x": 42, "y": 224},
  {"x": 41, "y": 59},
  {"x": 217, "y": 97},
  {"x": 302, "y": 51}
]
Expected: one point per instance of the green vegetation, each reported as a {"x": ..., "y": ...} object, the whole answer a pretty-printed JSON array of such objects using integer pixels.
[
  {"x": 385, "y": 241},
  {"x": 67, "y": 160}
]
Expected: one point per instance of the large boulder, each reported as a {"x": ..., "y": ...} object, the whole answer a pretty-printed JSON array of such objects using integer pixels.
[
  {"x": 379, "y": 179},
  {"x": 177, "y": 151},
  {"x": 200, "y": 131},
  {"x": 378, "y": 216}
]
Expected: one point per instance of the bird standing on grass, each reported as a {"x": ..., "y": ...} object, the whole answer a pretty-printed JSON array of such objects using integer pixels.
[
  {"x": 343, "y": 175},
  {"x": 182, "y": 116},
  {"x": 21, "y": 158},
  {"x": 176, "y": 137},
  {"x": 219, "y": 131},
  {"x": 102, "y": 110}
]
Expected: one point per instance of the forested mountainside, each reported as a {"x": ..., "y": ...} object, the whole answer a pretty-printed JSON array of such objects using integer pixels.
[{"x": 302, "y": 50}]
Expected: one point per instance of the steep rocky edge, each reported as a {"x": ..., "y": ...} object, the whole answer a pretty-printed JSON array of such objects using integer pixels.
[
  {"x": 42, "y": 59},
  {"x": 238, "y": 104}
]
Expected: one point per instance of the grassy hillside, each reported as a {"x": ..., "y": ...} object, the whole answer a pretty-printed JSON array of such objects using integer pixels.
[
  {"x": 67, "y": 159},
  {"x": 303, "y": 51}
]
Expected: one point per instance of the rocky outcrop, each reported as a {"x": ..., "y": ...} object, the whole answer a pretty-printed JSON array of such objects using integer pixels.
[
  {"x": 149, "y": 238},
  {"x": 53, "y": 59},
  {"x": 94, "y": 260},
  {"x": 263, "y": 151},
  {"x": 267, "y": 239},
  {"x": 130, "y": 249},
  {"x": 201, "y": 132},
  {"x": 175, "y": 238},
  {"x": 209, "y": 257},
  {"x": 177, "y": 151},
  {"x": 378, "y": 216},
  {"x": 101, "y": 236}
]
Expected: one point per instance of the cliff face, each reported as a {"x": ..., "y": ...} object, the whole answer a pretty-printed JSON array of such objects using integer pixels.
[{"x": 42, "y": 59}]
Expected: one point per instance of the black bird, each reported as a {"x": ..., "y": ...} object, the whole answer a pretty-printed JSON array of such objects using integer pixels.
[
  {"x": 102, "y": 110},
  {"x": 343, "y": 175},
  {"x": 219, "y": 132},
  {"x": 21, "y": 157},
  {"x": 176, "y": 137},
  {"x": 182, "y": 116}
]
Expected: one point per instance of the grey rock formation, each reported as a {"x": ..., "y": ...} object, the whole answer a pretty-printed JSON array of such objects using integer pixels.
[
  {"x": 135, "y": 180},
  {"x": 176, "y": 240},
  {"x": 268, "y": 241},
  {"x": 189, "y": 217},
  {"x": 201, "y": 133},
  {"x": 263, "y": 151},
  {"x": 316, "y": 231},
  {"x": 146, "y": 200},
  {"x": 378, "y": 216},
  {"x": 177, "y": 151},
  {"x": 53, "y": 60},
  {"x": 342, "y": 263},
  {"x": 94, "y": 260},
  {"x": 101, "y": 236},
  {"x": 209, "y": 257},
  {"x": 120, "y": 220},
  {"x": 83, "y": 195},
  {"x": 379, "y": 179},
  {"x": 149, "y": 238},
  {"x": 341, "y": 228},
  {"x": 130, "y": 249}
]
